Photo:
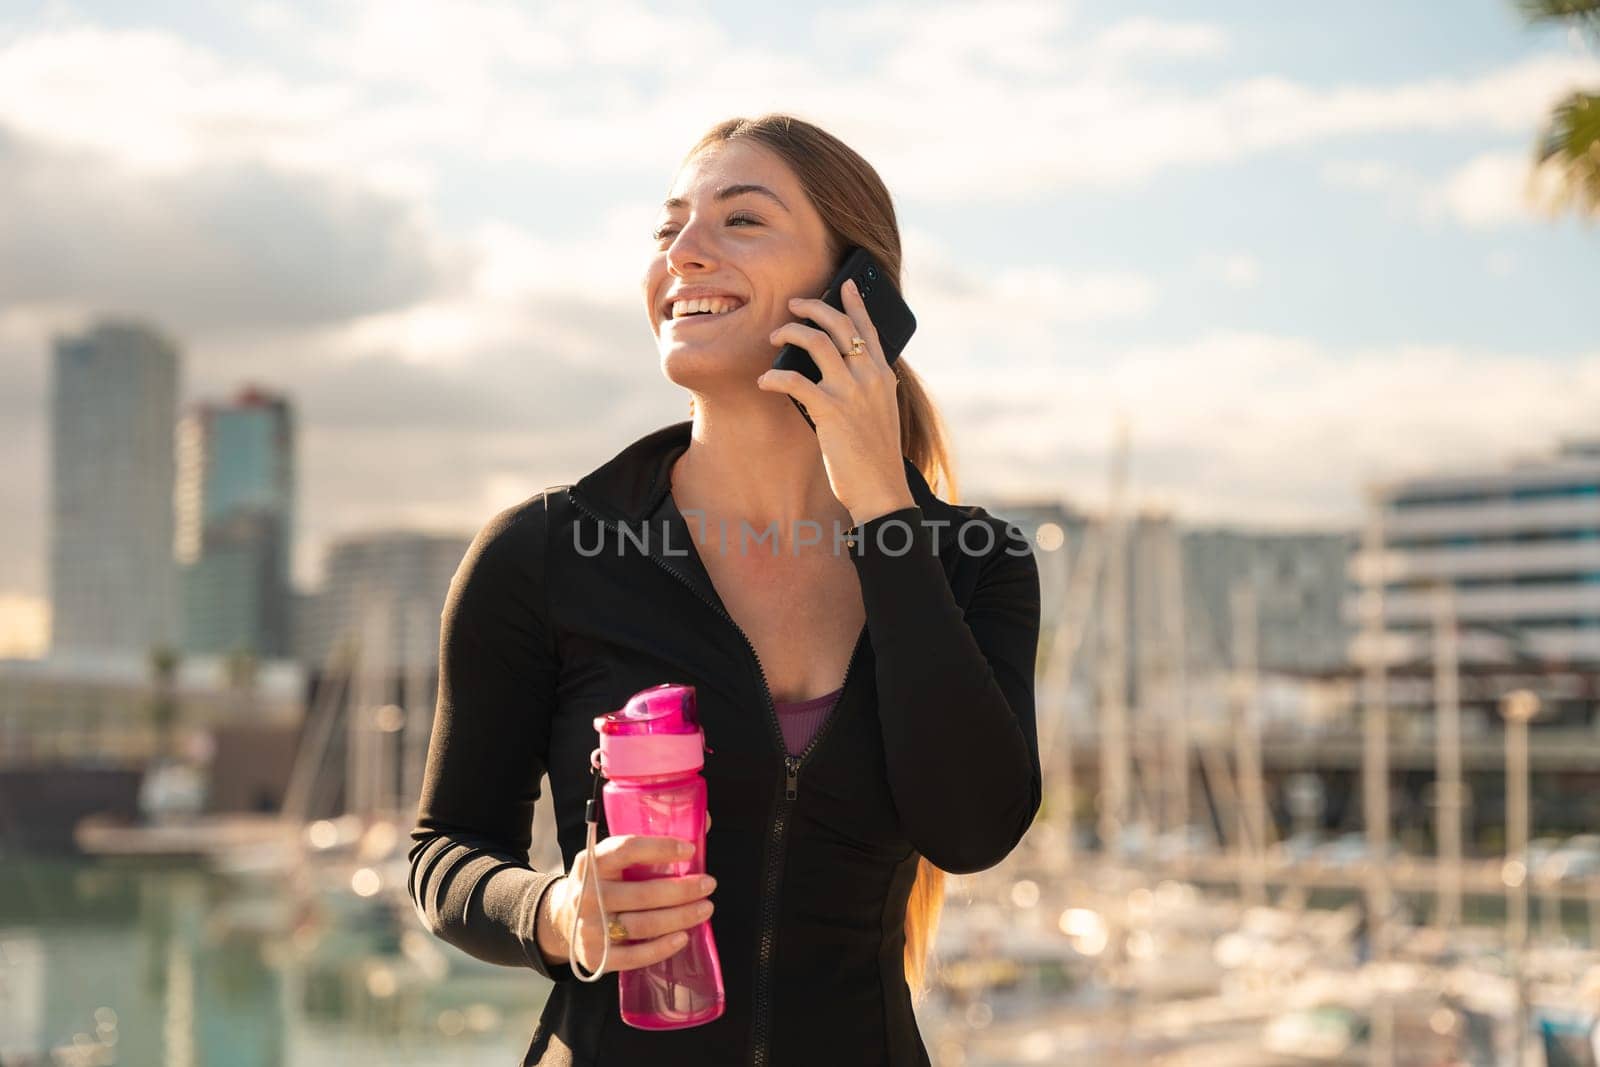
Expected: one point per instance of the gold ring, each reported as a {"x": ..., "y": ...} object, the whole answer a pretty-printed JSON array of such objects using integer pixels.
[
  {"x": 857, "y": 346},
  {"x": 615, "y": 930}
]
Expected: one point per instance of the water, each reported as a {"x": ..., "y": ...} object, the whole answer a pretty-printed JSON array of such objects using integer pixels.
[{"x": 154, "y": 963}]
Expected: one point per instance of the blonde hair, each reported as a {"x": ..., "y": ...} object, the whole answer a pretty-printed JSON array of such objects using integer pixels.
[{"x": 858, "y": 211}]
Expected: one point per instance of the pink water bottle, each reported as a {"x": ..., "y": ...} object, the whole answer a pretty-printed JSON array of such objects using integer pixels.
[{"x": 651, "y": 753}]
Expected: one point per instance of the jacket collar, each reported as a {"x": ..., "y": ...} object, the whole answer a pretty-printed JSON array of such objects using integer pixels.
[{"x": 632, "y": 485}]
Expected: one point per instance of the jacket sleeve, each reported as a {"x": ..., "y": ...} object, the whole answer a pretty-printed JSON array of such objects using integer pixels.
[
  {"x": 955, "y": 689},
  {"x": 470, "y": 879}
]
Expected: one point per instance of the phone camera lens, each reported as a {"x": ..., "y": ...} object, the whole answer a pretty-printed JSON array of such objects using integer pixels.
[
  {"x": 872, "y": 273},
  {"x": 865, "y": 289}
]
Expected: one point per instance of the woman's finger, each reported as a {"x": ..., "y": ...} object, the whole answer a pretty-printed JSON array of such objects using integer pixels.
[
  {"x": 651, "y": 893},
  {"x": 840, "y": 326},
  {"x": 856, "y": 308},
  {"x": 798, "y": 386},
  {"x": 625, "y": 955},
  {"x": 632, "y": 956},
  {"x": 617, "y": 853},
  {"x": 657, "y": 922},
  {"x": 819, "y": 343}
]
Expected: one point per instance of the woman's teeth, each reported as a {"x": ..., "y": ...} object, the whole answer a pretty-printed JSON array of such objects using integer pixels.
[{"x": 705, "y": 305}]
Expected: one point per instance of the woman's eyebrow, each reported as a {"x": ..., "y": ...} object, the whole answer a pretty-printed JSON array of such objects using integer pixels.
[{"x": 728, "y": 192}]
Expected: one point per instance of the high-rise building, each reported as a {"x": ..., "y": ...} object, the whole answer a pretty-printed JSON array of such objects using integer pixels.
[
  {"x": 1298, "y": 583},
  {"x": 113, "y": 581},
  {"x": 235, "y": 501},
  {"x": 384, "y": 589}
]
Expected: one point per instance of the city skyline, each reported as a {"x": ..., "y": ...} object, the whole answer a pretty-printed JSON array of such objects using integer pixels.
[{"x": 1293, "y": 251}]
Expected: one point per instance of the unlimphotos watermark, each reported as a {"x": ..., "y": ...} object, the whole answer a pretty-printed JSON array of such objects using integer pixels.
[{"x": 892, "y": 536}]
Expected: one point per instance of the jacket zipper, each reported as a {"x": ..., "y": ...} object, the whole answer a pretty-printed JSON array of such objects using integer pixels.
[
  {"x": 773, "y": 874},
  {"x": 775, "y": 856}
]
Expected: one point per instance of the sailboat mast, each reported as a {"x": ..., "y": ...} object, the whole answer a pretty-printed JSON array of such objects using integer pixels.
[{"x": 1114, "y": 756}]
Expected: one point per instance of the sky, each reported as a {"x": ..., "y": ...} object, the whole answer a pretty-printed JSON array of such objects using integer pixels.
[{"x": 1294, "y": 247}]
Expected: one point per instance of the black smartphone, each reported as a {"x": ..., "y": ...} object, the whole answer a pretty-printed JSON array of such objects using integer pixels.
[{"x": 885, "y": 307}]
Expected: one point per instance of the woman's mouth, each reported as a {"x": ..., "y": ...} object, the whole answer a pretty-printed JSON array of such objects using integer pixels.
[{"x": 700, "y": 317}]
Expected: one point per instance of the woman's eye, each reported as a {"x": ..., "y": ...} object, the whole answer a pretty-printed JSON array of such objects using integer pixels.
[{"x": 664, "y": 232}]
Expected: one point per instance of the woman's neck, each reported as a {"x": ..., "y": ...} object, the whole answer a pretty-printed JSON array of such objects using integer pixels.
[{"x": 759, "y": 466}]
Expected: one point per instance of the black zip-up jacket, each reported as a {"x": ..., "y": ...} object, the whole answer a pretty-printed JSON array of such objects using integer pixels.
[{"x": 570, "y": 602}]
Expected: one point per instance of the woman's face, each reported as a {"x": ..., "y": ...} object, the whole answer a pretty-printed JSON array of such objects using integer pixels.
[{"x": 757, "y": 249}]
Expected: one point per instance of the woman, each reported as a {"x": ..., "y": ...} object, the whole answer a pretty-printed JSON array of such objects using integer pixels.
[{"x": 867, "y": 693}]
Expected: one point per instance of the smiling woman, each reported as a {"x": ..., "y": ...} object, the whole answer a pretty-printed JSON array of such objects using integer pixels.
[{"x": 869, "y": 714}]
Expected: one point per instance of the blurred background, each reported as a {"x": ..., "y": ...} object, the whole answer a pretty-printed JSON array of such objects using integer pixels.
[{"x": 1272, "y": 325}]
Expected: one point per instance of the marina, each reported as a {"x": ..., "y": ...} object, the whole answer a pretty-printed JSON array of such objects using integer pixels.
[{"x": 1206, "y": 907}]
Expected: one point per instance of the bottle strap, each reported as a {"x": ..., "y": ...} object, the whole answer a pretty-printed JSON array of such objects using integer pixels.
[{"x": 591, "y": 816}]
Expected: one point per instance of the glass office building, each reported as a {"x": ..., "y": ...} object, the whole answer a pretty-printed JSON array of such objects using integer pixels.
[
  {"x": 1517, "y": 549},
  {"x": 236, "y": 489}
]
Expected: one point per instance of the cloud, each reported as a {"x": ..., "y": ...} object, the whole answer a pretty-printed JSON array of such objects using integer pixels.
[
  {"x": 1494, "y": 189},
  {"x": 919, "y": 42},
  {"x": 473, "y": 46},
  {"x": 1031, "y": 139},
  {"x": 1143, "y": 37},
  {"x": 1025, "y": 311},
  {"x": 575, "y": 296},
  {"x": 151, "y": 101},
  {"x": 1500, "y": 263},
  {"x": 1223, "y": 425},
  {"x": 222, "y": 245},
  {"x": 1367, "y": 175},
  {"x": 1237, "y": 270},
  {"x": 1489, "y": 191},
  {"x": 956, "y": 103}
]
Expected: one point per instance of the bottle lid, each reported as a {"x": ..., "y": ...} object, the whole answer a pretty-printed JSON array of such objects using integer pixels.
[
  {"x": 662, "y": 709},
  {"x": 656, "y": 732}
]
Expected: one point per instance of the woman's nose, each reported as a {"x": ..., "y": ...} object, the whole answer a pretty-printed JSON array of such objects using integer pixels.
[{"x": 690, "y": 249}]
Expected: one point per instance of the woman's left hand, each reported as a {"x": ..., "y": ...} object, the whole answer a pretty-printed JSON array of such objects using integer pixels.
[{"x": 854, "y": 406}]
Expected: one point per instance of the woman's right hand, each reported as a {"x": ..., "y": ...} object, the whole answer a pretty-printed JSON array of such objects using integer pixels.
[{"x": 654, "y": 911}]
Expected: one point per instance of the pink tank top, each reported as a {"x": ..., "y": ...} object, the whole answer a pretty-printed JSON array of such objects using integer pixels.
[{"x": 801, "y": 719}]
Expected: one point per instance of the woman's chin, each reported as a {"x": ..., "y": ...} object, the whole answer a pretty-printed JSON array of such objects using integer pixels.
[
  {"x": 705, "y": 360},
  {"x": 703, "y": 340},
  {"x": 711, "y": 371}
]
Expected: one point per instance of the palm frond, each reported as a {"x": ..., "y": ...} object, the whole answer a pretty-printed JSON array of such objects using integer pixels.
[
  {"x": 1585, "y": 13},
  {"x": 1570, "y": 146}
]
